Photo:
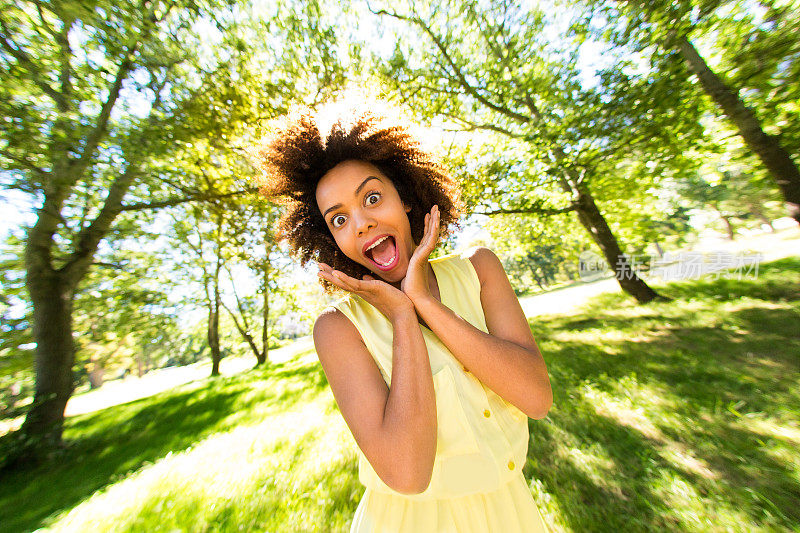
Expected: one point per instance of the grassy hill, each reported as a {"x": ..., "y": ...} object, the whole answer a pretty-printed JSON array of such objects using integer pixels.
[{"x": 681, "y": 416}]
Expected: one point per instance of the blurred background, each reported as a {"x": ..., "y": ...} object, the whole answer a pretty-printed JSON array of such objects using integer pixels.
[{"x": 633, "y": 164}]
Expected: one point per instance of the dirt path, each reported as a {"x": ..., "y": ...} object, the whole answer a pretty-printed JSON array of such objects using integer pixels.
[{"x": 132, "y": 388}]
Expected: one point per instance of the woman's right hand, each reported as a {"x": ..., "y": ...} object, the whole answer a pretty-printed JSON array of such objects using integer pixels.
[{"x": 392, "y": 302}]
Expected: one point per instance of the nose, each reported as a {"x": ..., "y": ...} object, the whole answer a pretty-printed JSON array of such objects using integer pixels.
[{"x": 364, "y": 223}]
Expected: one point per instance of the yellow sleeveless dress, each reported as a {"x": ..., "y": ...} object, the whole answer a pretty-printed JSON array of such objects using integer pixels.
[{"x": 482, "y": 441}]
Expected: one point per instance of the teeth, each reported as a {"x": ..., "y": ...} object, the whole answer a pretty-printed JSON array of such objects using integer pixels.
[{"x": 376, "y": 243}]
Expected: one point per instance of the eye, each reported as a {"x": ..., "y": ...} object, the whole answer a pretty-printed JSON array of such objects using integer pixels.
[
  {"x": 375, "y": 195},
  {"x": 334, "y": 222}
]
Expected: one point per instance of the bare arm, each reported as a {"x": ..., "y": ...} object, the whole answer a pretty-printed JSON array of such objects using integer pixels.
[
  {"x": 395, "y": 427},
  {"x": 506, "y": 359}
]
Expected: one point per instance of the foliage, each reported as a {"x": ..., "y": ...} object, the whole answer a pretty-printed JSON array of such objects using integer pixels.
[
  {"x": 125, "y": 316},
  {"x": 537, "y": 253},
  {"x": 554, "y": 137},
  {"x": 113, "y": 109},
  {"x": 15, "y": 315},
  {"x": 499, "y": 70},
  {"x": 751, "y": 47}
]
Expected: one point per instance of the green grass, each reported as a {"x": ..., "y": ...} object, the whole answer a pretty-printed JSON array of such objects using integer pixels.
[{"x": 676, "y": 416}]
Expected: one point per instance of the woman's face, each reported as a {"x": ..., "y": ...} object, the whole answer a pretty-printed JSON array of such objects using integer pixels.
[{"x": 367, "y": 218}]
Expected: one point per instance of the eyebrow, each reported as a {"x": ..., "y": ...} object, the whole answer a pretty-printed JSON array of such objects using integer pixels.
[{"x": 358, "y": 190}]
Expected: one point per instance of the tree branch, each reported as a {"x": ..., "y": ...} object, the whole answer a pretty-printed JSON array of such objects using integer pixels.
[
  {"x": 238, "y": 301},
  {"x": 124, "y": 68},
  {"x": 24, "y": 162},
  {"x": 243, "y": 331},
  {"x": 201, "y": 197},
  {"x": 471, "y": 126},
  {"x": 460, "y": 78},
  {"x": 27, "y": 63},
  {"x": 64, "y": 77},
  {"x": 99, "y": 129},
  {"x": 90, "y": 237},
  {"x": 109, "y": 265}
]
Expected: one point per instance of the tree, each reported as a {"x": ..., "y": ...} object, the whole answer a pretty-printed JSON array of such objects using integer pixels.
[
  {"x": 762, "y": 54},
  {"x": 534, "y": 252},
  {"x": 97, "y": 98},
  {"x": 202, "y": 244},
  {"x": 97, "y": 93},
  {"x": 253, "y": 227},
  {"x": 123, "y": 318},
  {"x": 715, "y": 195},
  {"x": 484, "y": 67}
]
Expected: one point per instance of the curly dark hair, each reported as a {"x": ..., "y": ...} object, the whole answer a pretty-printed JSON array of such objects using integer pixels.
[{"x": 303, "y": 145}]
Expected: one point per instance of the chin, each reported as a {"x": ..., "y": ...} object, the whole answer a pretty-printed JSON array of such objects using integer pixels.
[{"x": 394, "y": 276}]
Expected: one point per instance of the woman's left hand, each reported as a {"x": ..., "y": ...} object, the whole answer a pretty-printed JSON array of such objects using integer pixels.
[{"x": 415, "y": 284}]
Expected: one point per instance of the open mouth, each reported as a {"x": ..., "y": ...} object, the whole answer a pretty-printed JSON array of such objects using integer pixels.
[{"x": 383, "y": 253}]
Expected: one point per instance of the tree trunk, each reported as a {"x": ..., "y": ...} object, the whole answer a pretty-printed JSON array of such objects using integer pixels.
[
  {"x": 52, "y": 300},
  {"x": 265, "y": 317},
  {"x": 728, "y": 227},
  {"x": 243, "y": 328},
  {"x": 591, "y": 218},
  {"x": 571, "y": 274},
  {"x": 756, "y": 210},
  {"x": 215, "y": 303},
  {"x": 264, "y": 355},
  {"x": 213, "y": 331},
  {"x": 96, "y": 374},
  {"x": 536, "y": 277},
  {"x": 767, "y": 147}
]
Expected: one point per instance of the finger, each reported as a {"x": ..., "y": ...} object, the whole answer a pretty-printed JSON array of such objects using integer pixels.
[
  {"x": 353, "y": 284},
  {"x": 367, "y": 277},
  {"x": 426, "y": 233},
  {"x": 433, "y": 235},
  {"x": 331, "y": 279},
  {"x": 339, "y": 278},
  {"x": 345, "y": 280},
  {"x": 432, "y": 220}
]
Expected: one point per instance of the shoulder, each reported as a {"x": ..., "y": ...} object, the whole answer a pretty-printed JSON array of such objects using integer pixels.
[
  {"x": 332, "y": 323},
  {"x": 486, "y": 263},
  {"x": 328, "y": 318}
]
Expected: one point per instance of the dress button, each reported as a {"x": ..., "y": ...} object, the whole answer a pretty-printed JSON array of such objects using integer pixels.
[
  {"x": 487, "y": 413},
  {"x": 511, "y": 465}
]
